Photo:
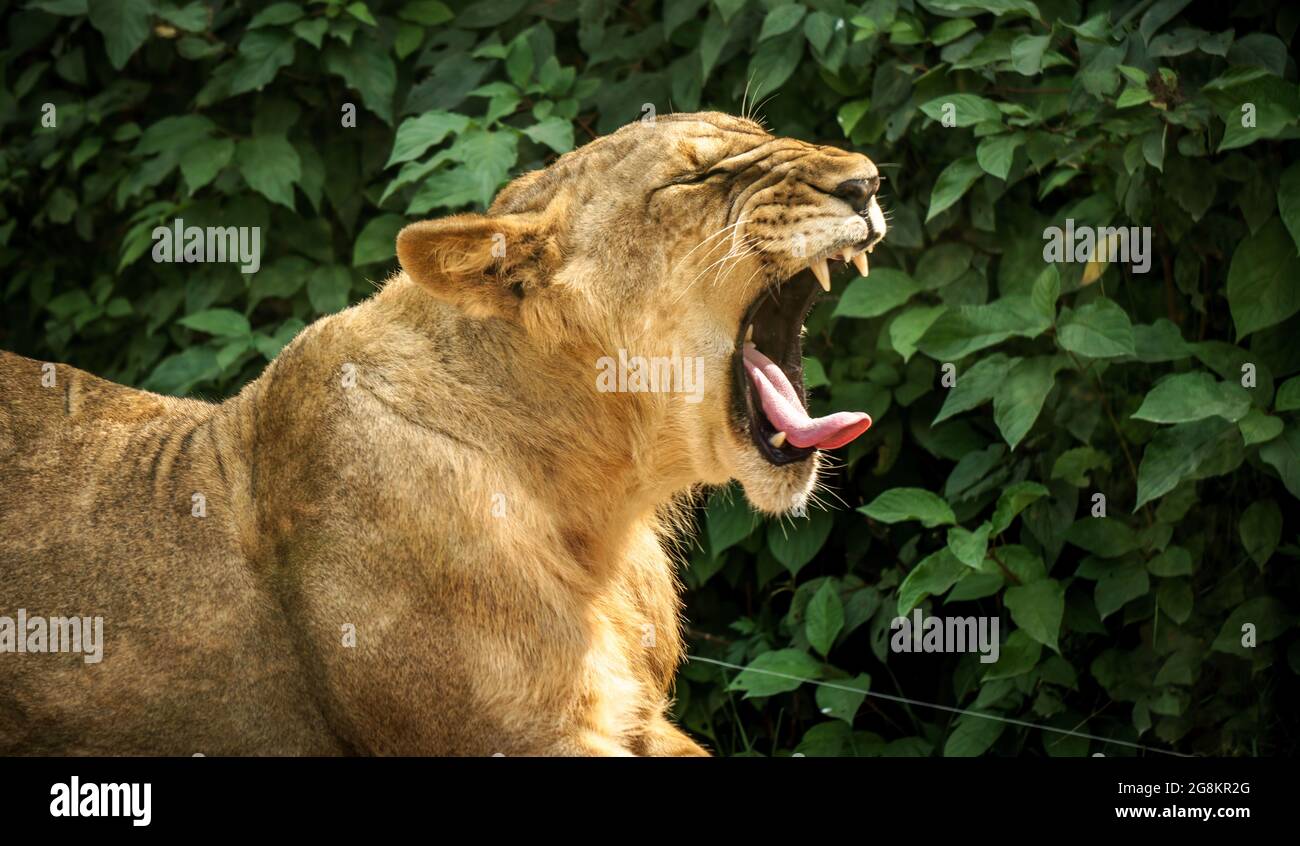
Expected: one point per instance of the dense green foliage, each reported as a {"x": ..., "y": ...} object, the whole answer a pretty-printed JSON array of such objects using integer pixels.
[{"x": 1172, "y": 393}]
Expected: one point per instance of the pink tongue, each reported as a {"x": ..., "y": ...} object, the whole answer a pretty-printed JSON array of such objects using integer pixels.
[{"x": 784, "y": 410}]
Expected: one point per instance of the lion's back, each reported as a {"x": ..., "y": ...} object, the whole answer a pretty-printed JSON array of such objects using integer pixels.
[{"x": 126, "y": 506}]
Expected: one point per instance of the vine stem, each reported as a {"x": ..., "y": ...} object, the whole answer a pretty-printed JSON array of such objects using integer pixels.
[{"x": 993, "y": 553}]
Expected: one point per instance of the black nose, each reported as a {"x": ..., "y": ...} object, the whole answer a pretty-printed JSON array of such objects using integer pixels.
[{"x": 857, "y": 192}]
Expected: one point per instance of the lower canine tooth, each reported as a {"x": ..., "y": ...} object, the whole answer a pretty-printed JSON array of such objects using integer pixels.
[
  {"x": 749, "y": 333},
  {"x": 777, "y": 440},
  {"x": 860, "y": 262},
  {"x": 823, "y": 274}
]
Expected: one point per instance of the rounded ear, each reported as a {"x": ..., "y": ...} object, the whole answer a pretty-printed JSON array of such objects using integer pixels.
[{"x": 482, "y": 263}]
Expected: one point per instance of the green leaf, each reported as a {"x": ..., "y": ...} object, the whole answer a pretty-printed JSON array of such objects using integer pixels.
[
  {"x": 426, "y": 12},
  {"x": 1283, "y": 454},
  {"x": 416, "y": 135},
  {"x": 795, "y": 544},
  {"x": 1159, "y": 14},
  {"x": 906, "y": 329},
  {"x": 950, "y": 30},
  {"x": 775, "y": 672},
  {"x": 824, "y": 617},
  {"x": 201, "y": 161},
  {"x": 1176, "y": 599},
  {"x": 1018, "y": 401},
  {"x": 1133, "y": 95},
  {"x": 961, "y": 110},
  {"x": 1100, "y": 329},
  {"x": 973, "y": 736},
  {"x": 1073, "y": 465},
  {"x": 953, "y": 183},
  {"x": 1119, "y": 587},
  {"x": 1104, "y": 537},
  {"x": 1173, "y": 561},
  {"x": 1267, "y": 616},
  {"x": 814, "y": 375},
  {"x": 377, "y": 240},
  {"x": 976, "y": 386},
  {"x": 781, "y": 20},
  {"x": 277, "y": 14},
  {"x": 179, "y": 372},
  {"x": 1027, "y": 53},
  {"x": 487, "y": 14},
  {"x": 934, "y": 575},
  {"x": 270, "y": 166},
  {"x": 262, "y": 53},
  {"x": 996, "y": 152},
  {"x": 1258, "y": 427},
  {"x": 728, "y": 520},
  {"x": 124, "y": 25},
  {"x": 270, "y": 346},
  {"x": 1288, "y": 201},
  {"x": 841, "y": 699},
  {"x": 1161, "y": 341},
  {"x": 1187, "y": 451},
  {"x": 554, "y": 132},
  {"x": 1261, "y": 530},
  {"x": 519, "y": 61},
  {"x": 969, "y": 547},
  {"x": 1262, "y": 289},
  {"x": 367, "y": 69},
  {"x": 312, "y": 31},
  {"x": 1013, "y": 500},
  {"x": 1288, "y": 395},
  {"x": 961, "y": 331},
  {"x": 360, "y": 12},
  {"x": 819, "y": 29},
  {"x": 851, "y": 113},
  {"x": 943, "y": 264},
  {"x": 773, "y": 62},
  {"x": 222, "y": 322},
  {"x": 887, "y": 288},
  {"x": 1185, "y": 397},
  {"x": 172, "y": 134},
  {"x": 1037, "y": 608},
  {"x": 898, "y": 505},
  {"x": 486, "y": 159},
  {"x": 328, "y": 288},
  {"x": 1017, "y": 656}
]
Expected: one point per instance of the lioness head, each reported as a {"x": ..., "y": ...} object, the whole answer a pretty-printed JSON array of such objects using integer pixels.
[{"x": 696, "y": 240}]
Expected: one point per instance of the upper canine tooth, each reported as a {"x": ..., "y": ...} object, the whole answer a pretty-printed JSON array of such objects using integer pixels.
[
  {"x": 823, "y": 273},
  {"x": 777, "y": 440},
  {"x": 860, "y": 262}
]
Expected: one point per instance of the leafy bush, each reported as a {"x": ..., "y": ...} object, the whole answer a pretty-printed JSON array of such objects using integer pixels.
[{"x": 1010, "y": 393}]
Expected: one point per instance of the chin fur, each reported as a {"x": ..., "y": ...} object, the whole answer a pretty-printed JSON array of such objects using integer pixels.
[{"x": 776, "y": 490}]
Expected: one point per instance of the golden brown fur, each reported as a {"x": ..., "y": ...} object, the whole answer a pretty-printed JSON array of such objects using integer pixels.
[{"x": 434, "y": 467}]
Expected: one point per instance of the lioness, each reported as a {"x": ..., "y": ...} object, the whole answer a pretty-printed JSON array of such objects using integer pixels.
[{"x": 430, "y": 527}]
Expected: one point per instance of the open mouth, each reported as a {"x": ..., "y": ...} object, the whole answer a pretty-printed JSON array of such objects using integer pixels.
[{"x": 768, "y": 392}]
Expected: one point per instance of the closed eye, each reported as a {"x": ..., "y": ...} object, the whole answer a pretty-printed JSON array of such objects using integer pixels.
[{"x": 697, "y": 178}]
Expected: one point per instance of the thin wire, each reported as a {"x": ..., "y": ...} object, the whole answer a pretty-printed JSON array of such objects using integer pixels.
[{"x": 949, "y": 708}]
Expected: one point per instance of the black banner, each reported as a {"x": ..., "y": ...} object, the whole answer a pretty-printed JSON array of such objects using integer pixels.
[{"x": 129, "y": 796}]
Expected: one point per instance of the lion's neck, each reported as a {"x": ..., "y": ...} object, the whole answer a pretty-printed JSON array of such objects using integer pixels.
[{"x": 599, "y": 464}]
